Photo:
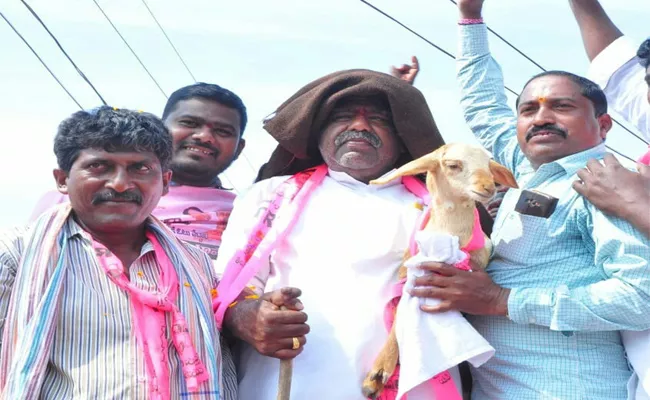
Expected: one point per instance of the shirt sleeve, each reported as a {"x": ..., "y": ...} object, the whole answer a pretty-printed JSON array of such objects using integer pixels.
[
  {"x": 246, "y": 211},
  {"x": 483, "y": 99},
  {"x": 620, "y": 301},
  {"x": 616, "y": 69},
  {"x": 11, "y": 247}
]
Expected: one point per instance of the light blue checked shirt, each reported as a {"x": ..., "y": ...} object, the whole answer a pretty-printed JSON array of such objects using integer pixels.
[{"x": 577, "y": 278}]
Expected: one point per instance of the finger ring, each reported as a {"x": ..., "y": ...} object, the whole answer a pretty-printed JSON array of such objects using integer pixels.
[{"x": 296, "y": 344}]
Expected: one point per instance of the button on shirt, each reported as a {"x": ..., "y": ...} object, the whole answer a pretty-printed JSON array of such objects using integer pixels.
[
  {"x": 344, "y": 253},
  {"x": 577, "y": 278},
  {"x": 94, "y": 353}
]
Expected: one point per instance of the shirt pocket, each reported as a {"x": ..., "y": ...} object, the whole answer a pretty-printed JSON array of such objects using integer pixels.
[{"x": 523, "y": 240}]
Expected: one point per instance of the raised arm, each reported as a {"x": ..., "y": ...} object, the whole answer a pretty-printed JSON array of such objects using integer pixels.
[
  {"x": 597, "y": 30},
  {"x": 614, "y": 64},
  {"x": 483, "y": 99}
]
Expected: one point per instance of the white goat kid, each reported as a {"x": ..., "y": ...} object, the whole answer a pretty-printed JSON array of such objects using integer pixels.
[{"x": 458, "y": 176}]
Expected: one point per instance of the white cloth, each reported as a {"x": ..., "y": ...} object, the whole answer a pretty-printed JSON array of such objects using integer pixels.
[
  {"x": 637, "y": 347},
  {"x": 344, "y": 254},
  {"x": 432, "y": 343},
  {"x": 617, "y": 70}
]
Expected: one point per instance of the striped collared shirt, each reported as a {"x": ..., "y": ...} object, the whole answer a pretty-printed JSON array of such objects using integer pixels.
[{"x": 94, "y": 352}]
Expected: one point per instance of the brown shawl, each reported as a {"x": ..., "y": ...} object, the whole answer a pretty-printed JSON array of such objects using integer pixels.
[{"x": 296, "y": 124}]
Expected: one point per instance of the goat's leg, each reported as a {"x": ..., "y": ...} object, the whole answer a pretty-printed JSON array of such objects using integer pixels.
[
  {"x": 386, "y": 363},
  {"x": 481, "y": 257},
  {"x": 383, "y": 367}
]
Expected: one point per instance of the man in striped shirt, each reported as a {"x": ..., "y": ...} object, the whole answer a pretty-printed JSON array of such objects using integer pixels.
[
  {"x": 74, "y": 322},
  {"x": 206, "y": 122}
]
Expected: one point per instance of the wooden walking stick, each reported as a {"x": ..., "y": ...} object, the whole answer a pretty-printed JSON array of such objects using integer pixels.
[
  {"x": 284, "y": 383},
  {"x": 286, "y": 372}
]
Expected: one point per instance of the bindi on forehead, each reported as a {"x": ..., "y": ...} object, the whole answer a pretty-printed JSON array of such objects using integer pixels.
[{"x": 362, "y": 111}]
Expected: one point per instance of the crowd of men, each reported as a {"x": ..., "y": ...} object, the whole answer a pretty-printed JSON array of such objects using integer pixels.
[{"x": 141, "y": 277}]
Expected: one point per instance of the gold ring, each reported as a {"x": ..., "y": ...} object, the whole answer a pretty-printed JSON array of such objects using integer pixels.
[{"x": 296, "y": 344}]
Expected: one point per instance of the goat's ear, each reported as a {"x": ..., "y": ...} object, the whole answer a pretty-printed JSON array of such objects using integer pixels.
[
  {"x": 423, "y": 164},
  {"x": 502, "y": 175}
]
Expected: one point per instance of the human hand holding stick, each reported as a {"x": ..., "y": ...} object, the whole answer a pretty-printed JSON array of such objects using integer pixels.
[{"x": 275, "y": 326}]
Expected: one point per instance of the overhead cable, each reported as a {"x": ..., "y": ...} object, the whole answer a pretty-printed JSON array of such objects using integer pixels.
[
  {"x": 42, "y": 62},
  {"x": 83, "y": 76}
]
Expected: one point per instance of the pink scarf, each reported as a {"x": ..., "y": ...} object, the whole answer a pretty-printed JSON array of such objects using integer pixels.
[
  {"x": 476, "y": 241},
  {"x": 34, "y": 308},
  {"x": 150, "y": 325},
  {"x": 292, "y": 195}
]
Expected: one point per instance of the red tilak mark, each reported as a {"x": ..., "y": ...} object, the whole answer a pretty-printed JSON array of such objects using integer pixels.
[{"x": 362, "y": 111}]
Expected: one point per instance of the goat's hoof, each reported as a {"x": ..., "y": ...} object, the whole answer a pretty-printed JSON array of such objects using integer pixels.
[{"x": 374, "y": 383}]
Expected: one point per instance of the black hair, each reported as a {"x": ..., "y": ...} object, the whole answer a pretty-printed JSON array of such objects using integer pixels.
[
  {"x": 208, "y": 91},
  {"x": 588, "y": 89},
  {"x": 112, "y": 130},
  {"x": 644, "y": 53}
]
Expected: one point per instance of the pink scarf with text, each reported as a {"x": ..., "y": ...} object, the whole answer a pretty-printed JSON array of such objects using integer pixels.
[{"x": 292, "y": 196}]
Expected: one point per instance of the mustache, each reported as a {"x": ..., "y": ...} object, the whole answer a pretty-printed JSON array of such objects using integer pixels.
[
  {"x": 111, "y": 195},
  {"x": 368, "y": 136},
  {"x": 546, "y": 127}
]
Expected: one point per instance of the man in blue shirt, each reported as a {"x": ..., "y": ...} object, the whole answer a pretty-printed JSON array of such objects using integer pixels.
[{"x": 559, "y": 287}]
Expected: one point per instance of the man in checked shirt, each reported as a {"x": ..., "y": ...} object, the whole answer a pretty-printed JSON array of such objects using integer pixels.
[{"x": 564, "y": 279}]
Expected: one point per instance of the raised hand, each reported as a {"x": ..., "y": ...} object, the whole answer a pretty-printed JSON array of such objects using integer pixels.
[
  {"x": 617, "y": 191},
  {"x": 407, "y": 72},
  {"x": 470, "y": 9}
]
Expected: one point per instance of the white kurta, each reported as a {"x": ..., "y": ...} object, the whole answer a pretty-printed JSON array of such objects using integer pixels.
[
  {"x": 343, "y": 253},
  {"x": 617, "y": 70}
]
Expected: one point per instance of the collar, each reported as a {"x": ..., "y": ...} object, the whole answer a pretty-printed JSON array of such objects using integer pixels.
[
  {"x": 72, "y": 229},
  {"x": 572, "y": 163},
  {"x": 569, "y": 164},
  {"x": 346, "y": 180}
]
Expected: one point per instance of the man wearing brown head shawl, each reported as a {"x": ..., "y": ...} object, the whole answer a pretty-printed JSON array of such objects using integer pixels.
[{"x": 342, "y": 247}]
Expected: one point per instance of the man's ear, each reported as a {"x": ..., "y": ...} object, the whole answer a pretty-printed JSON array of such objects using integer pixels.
[
  {"x": 605, "y": 124},
  {"x": 167, "y": 177},
  {"x": 61, "y": 178},
  {"x": 240, "y": 148}
]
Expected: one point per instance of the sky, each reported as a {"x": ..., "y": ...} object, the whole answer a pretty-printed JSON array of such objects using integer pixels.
[{"x": 263, "y": 51}]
